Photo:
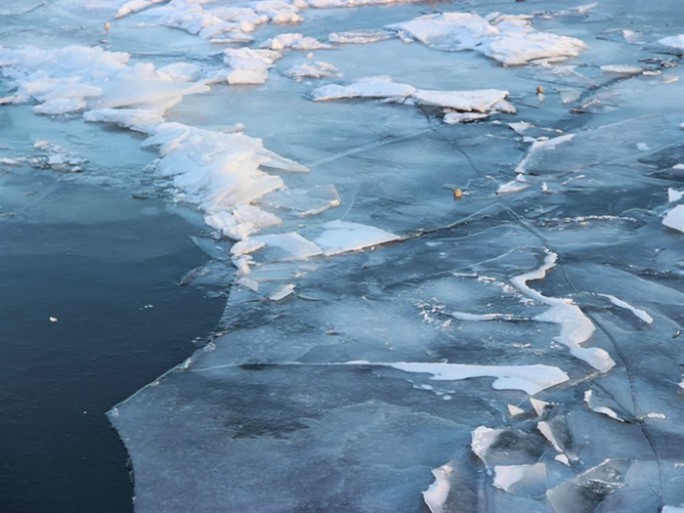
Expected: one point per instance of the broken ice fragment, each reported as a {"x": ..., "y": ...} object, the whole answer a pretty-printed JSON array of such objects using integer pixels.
[
  {"x": 249, "y": 67},
  {"x": 342, "y": 236},
  {"x": 586, "y": 492},
  {"x": 591, "y": 403},
  {"x": 675, "y": 218},
  {"x": 641, "y": 314},
  {"x": 437, "y": 494},
  {"x": 372, "y": 87},
  {"x": 522, "y": 479}
]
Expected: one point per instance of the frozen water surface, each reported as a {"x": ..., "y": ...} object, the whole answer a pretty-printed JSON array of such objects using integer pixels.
[{"x": 455, "y": 288}]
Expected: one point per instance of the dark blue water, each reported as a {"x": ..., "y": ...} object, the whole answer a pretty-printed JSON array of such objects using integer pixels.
[{"x": 57, "y": 379}]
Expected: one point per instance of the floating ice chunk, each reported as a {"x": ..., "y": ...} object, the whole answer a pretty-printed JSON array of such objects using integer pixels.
[
  {"x": 672, "y": 509},
  {"x": 318, "y": 69},
  {"x": 514, "y": 410},
  {"x": 674, "y": 44},
  {"x": 278, "y": 11},
  {"x": 545, "y": 429},
  {"x": 293, "y": 41},
  {"x": 540, "y": 149},
  {"x": 516, "y": 49},
  {"x": 530, "y": 477},
  {"x": 372, "y": 87},
  {"x": 282, "y": 292},
  {"x": 622, "y": 69},
  {"x": 305, "y": 202},
  {"x": 675, "y": 218},
  {"x": 242, "y": 221},
  {"x": 249, "y": 67},
  {"x": 517, "y": 185},
  {"x": 342, "y": 236},
  {"x": 673, "y": 195},
  {"x": 604, "y": 410},
  {"x": 136, "y": 119},
  {"x": 359, "y": 36},
  {"x": 584, "y": 493},
  {"x": 134, "y": 6},
  {"x": 454, "y": 118},
  {"x": 447, "y": 31},
  {"x": 435, "y": 497},
  {"x": 576, "y": 328},
  {"x": 539, "y": 406},
  {"x": 482, "y": 100},
  {"x": 641, "y": 314},
  {"x": 465, "y": 316},
  {"x": 531, "y": 379},
  {"x": 293, "y": 244},
  {"x": 61, "y": 106},
  {"x": 511, "y": 40},
  {"x": 482, "y": 439}
]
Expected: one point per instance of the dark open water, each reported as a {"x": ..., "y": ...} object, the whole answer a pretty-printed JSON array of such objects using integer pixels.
[{"x": 57, "y": 379}]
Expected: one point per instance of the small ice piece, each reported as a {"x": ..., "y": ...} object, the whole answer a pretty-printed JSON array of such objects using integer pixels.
[
  {"x": 530, "y": 477},
  {"x": 483, "y": 100},
  {"x": 134, "y": 6},
  {"x": 674, "y": 44},
  {"x": 342, "y": 236},
  {"x": 675, "y": 218},
  {"x": 642, "y": 146},
  {"x": 296, "y": 246},
  {"x": 673, "y": 195},
  {"x": 482, "y": 439},
  {"x": 678, "y": 167},
  {"x": 545, "y": 429},
  {"x": 531, "y": 379},
  {"x": 318, "y": 69},
  {"x": 562, "y": 458},
  {"x": 673, "y": 509},
  {"x": 437, "y": 494},
  {"x": 586, "y": 492},
  {"x": 641, "y": 314},
  {"x": 539, "y": 149},
  {"x": 249, "y": 67},
  {"x": 539, "y": 406},
  {"x": 359, "y": 36},
  {"x": 136, "y": 119},
  {"x": 511, "y": 40},
  {"x": 622, "y": 69},
  {"x": 293, "y": 41},
  {"x": 52, "y": 319},
  {"x": 455, "y": 118},
  {"x": 305, "y": 202},
  {"x": 370, "y": 87},
  {"x": 517, "y": 185},
  {"x": 282, "y": 292},
  {"x": 655, "y": 415},
  {"x": 447, "y": 31},
  {"x": 514, "y": 410},
  {"x": 609, "y": 412}
]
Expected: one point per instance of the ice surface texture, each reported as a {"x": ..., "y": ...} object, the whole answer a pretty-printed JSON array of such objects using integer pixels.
[{"x": 423, "y": 313}]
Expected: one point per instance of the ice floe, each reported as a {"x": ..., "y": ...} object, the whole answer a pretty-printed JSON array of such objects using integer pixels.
[
  {"x": 456, "y": 106},
  {"x": 510, "y": 40},
  {"x": 248, "y": 66}
]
